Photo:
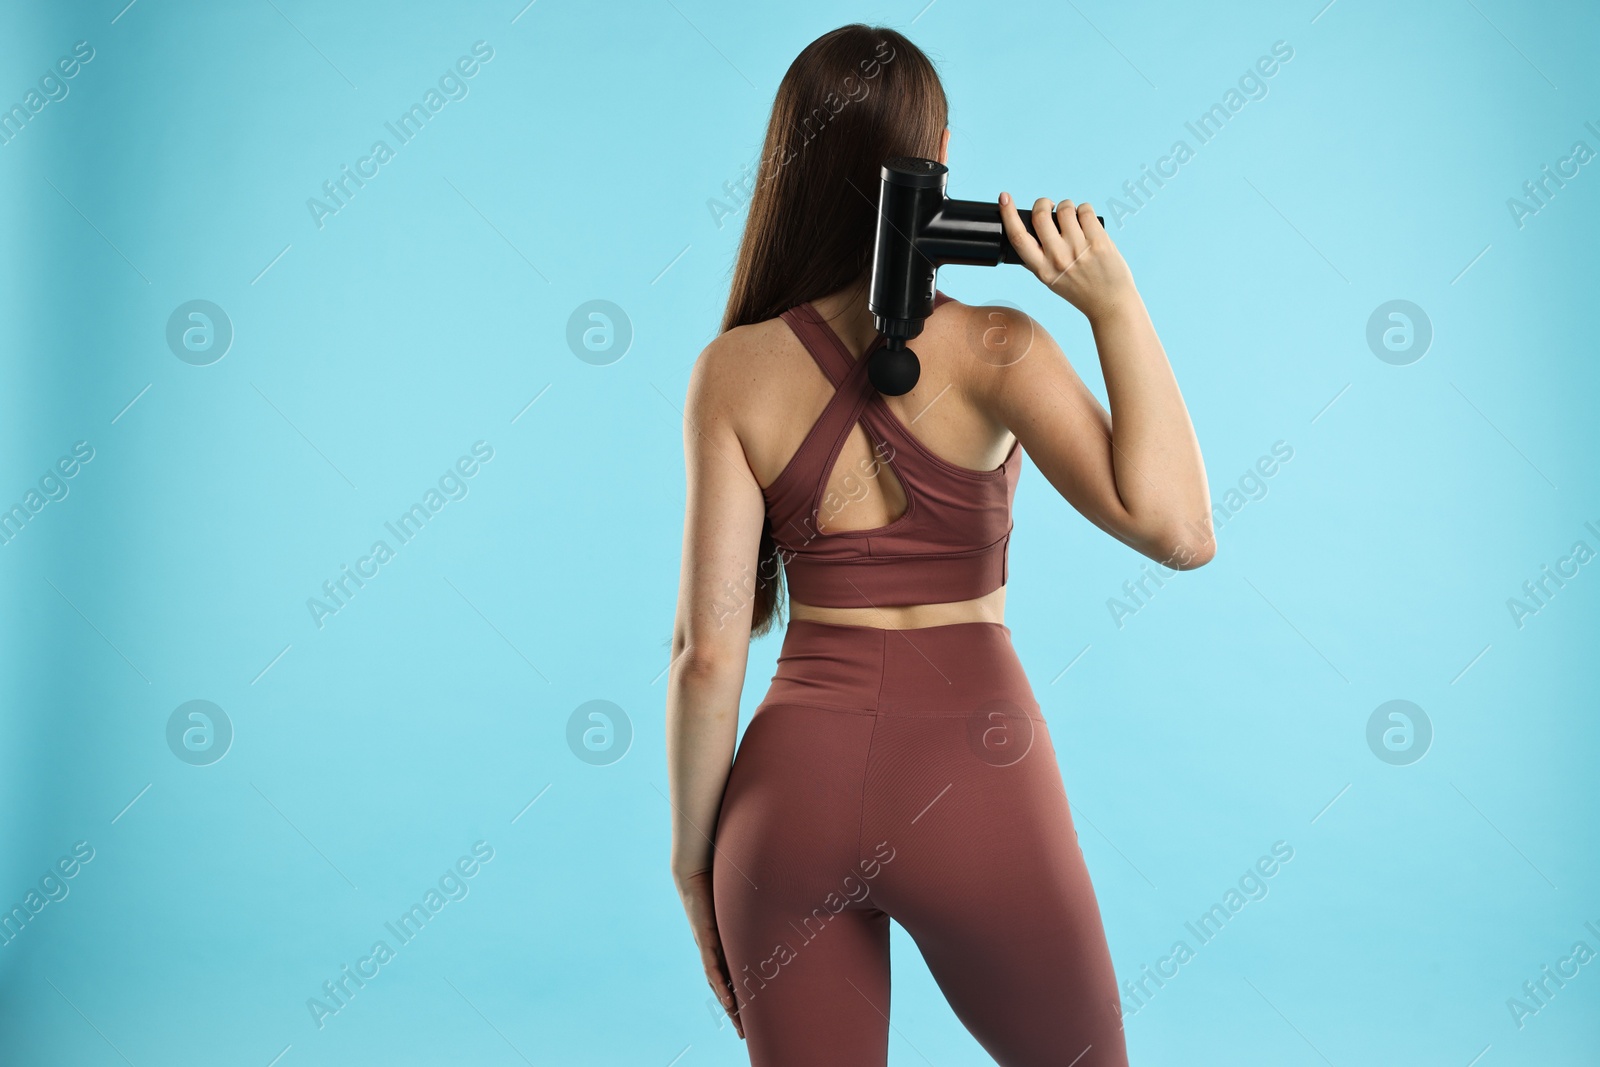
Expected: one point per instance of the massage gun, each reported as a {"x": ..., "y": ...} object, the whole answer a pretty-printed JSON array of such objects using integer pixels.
[{"x": 920, "y": 230}]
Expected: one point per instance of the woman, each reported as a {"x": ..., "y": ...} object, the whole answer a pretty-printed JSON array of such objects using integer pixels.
[{"x": 899, "y": 766}]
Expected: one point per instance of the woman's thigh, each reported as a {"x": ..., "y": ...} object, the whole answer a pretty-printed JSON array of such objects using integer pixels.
[
  {"x": 807, "y": 950},
  {"x": 988, "y": 879}
]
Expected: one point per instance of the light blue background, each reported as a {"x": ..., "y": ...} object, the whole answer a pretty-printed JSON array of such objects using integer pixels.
[{"x": 370, "y": 753}]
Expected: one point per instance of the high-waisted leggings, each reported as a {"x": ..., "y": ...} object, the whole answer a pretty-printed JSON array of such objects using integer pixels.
[{"x": 907, "y": 775}]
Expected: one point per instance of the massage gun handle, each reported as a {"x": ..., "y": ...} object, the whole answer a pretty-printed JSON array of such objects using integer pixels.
[
  {"x": 1008, "y": 254},
  {"x": 970, "y": 231}
]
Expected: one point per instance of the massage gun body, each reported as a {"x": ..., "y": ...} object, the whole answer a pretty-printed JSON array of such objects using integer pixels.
[{"x": 920, "y": 229}]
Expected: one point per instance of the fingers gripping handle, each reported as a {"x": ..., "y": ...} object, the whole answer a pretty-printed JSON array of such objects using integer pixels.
[
  {"x": 1008, "y": 254},
  {"x": 971, "y": 232}
]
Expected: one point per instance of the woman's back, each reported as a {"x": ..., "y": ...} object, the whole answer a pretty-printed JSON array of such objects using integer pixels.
[{"x": 919, "y": 487}]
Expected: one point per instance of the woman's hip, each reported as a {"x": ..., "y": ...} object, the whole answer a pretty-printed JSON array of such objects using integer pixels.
[{"x": 967, "y": 669}]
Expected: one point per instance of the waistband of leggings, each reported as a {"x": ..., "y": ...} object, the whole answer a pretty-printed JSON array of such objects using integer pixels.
[
  {"x": 961, "y": 668},
  {"x": 801, "y": 628}
]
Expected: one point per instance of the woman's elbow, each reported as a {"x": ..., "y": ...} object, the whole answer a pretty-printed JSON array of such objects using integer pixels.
[
  {"x": 1183, "y": 548},
  {"x": 707, "y": 662},
  {"x": 1187, "y": 558}
]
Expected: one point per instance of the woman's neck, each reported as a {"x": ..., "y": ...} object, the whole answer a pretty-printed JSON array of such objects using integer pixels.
[{"x": 846, "y": 311}]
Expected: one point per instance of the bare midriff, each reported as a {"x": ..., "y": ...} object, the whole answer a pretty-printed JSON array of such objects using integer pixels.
[{"x": 990, "y": 607}]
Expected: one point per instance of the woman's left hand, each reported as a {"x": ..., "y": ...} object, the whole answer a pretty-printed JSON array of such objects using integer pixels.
[{"x": 695, "y": 891}]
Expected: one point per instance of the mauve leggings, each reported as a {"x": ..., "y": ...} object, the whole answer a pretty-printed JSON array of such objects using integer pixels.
[{"x": 907, "y": 774}]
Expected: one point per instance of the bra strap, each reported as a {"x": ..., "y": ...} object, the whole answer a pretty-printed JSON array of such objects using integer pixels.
[
  {"x": 812, "y": 462},
  {"x": 820, "y": 340}
]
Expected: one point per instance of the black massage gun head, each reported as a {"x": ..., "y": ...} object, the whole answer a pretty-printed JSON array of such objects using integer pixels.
[{"x": 894, "y": 368}]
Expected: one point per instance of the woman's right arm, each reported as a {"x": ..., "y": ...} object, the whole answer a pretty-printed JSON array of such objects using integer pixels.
[
  {"x": 1136, "y": 472},
  {"x": 723, "y": 516}
]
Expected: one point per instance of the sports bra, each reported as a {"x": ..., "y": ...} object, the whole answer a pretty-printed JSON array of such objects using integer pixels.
[{"x": 951, "y": 544}]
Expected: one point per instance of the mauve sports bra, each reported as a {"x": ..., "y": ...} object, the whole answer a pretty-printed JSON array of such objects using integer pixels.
[{"x": 952, "y": 542}]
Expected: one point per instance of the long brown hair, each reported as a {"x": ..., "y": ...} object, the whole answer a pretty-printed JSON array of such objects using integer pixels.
[{"x": 853, "y": 98}]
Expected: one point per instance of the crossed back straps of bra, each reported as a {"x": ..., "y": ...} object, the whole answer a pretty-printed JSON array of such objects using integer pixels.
[{"x": 951, "y": 542}]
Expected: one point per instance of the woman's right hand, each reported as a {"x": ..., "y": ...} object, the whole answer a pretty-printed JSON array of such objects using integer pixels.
[
  {"x": 695, "y": 891},
  {"x": 1076, "y": 259}
]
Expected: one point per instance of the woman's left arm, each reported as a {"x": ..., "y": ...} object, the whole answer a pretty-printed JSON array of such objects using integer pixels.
[{"x": 724, "y": 513}]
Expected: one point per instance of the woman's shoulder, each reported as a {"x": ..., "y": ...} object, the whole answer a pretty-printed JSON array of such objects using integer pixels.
[
  {"x": 732, "y": 355},
  {"x": 956, "y": 312},
  {"x": 739, "y": 366},
  {"x": 993, "y": 334},
  {"x": 753, "y": 337}
]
